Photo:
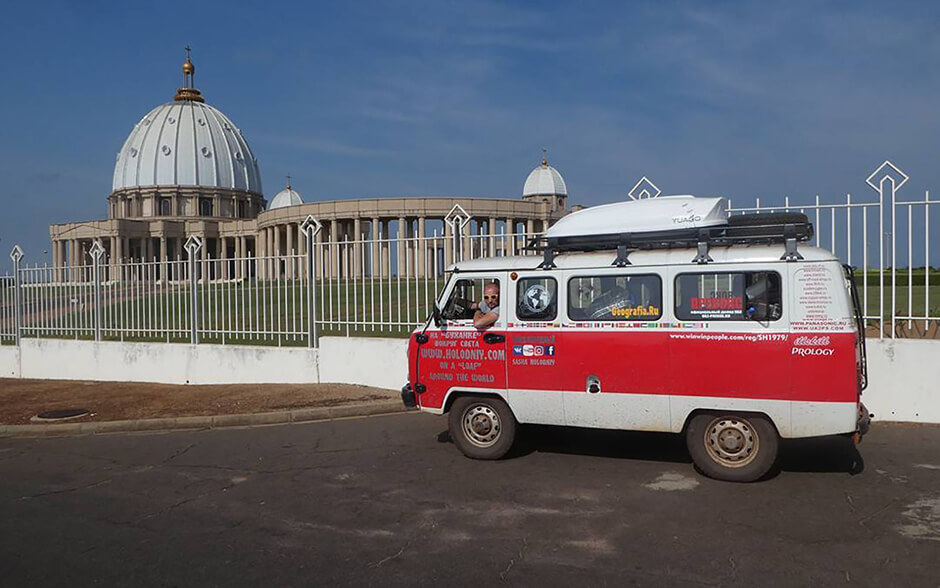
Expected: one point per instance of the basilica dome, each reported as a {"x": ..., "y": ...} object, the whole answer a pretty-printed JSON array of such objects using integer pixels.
[
  {"x": 544, "y": 180},
  {"x": 186, "y": 143}
]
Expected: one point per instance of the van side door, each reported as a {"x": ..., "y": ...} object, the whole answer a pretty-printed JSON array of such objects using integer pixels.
[
  {"x": 615, "y": 360},
  {"x": 459, "y": 356}
]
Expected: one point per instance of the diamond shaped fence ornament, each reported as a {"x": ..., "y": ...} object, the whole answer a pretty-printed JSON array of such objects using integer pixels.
[
  {"x": 16, "y": 254},
  {"x": 457, "y": 217},
  {"x": 97, "y": 250},
  {"x": 644, "y": 189},
  {"x": 193, "y": 244},
  {"x": 310, "y": 224},
  {"x": 886, "y": 170}
]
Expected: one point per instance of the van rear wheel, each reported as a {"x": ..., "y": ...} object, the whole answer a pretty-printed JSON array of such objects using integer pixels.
[
  {"x": 732, "y": 447},
  {"x": 482, "y": 427}
]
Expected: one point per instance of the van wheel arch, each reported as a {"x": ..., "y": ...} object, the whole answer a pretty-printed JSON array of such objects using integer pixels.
[
  {"x": 717, "y": 411},
  {"x": 453, "y": 396}
]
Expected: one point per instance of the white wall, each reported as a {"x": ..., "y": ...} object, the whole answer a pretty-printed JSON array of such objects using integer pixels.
[
  {"x": 9, "y": 361},
  {"x": 904, "y": 374},
  {"x": 370, "y": 361},
  {"x": 170, "y": 363},
  {"x": 350, "y": 360},
  {"x": 904, "y": 380}
]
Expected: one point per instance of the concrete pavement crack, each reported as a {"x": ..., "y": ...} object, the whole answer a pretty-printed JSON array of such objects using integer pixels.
[
  {"x": 67, "y": 490},
  {"x": 178, "y": 453},
  {"x": 512, "y": 561}
]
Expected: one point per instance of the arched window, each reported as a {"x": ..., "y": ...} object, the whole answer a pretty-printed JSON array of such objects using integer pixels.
[
  {"x": 205, "y": 207},
  {"x": 165, "y": 207}
]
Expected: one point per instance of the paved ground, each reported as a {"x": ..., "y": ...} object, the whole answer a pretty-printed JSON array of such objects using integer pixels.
[
  {"x": 21, "y": 400},
  {"x": 389, "y": 501}
]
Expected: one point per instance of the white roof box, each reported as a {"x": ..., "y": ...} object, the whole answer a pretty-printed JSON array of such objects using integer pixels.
[{"x": 651, "y": 215}]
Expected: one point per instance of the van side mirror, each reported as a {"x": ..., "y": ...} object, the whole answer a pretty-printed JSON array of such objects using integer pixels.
[{"x": 436, "y": 315}]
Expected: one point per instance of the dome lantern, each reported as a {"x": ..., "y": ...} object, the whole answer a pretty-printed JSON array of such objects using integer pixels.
[{"x": 188, "y": 92}]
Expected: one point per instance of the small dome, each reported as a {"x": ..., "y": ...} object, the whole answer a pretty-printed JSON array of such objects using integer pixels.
[
  {"x": 286, "y": 197},
  {"x": 544, "y": 180}
]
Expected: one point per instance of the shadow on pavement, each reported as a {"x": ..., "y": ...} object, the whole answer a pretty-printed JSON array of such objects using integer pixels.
[{"x": 818, "y": 454}]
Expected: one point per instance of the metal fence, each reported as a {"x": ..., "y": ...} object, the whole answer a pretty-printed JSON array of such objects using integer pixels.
[
  {"x": 386, "y": 286},
  {"x": 382, "y": 287}
]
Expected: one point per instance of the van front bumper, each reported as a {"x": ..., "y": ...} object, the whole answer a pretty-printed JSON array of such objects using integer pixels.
[{"x": 408, "y": 396}]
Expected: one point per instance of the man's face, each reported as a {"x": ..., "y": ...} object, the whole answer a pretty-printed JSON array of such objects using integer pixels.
[{"x": 491, "y": 296}]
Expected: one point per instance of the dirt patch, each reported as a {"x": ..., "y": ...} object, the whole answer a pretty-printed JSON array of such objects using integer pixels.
[{"x": 110, "y": 401}]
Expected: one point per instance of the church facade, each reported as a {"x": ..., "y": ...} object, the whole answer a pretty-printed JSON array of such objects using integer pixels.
[{"x": 186, "y": 169}]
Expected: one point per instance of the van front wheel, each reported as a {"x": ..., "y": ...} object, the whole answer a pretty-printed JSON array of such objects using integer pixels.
[
  {"x": 732, "y": 447},
  {"x": 482, "y": 427}
]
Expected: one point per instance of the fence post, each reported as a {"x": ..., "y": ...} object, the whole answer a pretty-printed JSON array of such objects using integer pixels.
[
  {"x": 16, "y": 255},
  {"x": 193, "y": 245},
  {"x": 97, "y": 251},
  {"x": 310, "y": 227},
  {"x": 887, "y": 178},
  {"x": 457, "y": 218}
]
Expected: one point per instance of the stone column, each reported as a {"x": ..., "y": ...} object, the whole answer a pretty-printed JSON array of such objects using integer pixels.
[
  {"x": 467, "y": 242},
  {"x": 386, "y": 249},
  {"x": 491, "y": 235},
  {"x": 422, "y": 248},
  {"x": 356, "y": 265},
  {"x": 530, "y": 227},
  {"x": 401, "y": 247},
  {"x": 239, "y": 253},
  {"x": 334, "y": 249},
  {"x": 163, "y": 260},
  {"x": 374, "y": 258},
  {"x": 273, "y": 242},
  {"x": 448, "y": 245},
  {"x": 289, "y": 229},
  {"x": 320, "y": 258},
  {"x": 223, "y": 258}
]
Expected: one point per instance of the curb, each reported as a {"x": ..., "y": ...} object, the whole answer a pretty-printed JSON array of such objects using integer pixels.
[{"x": 299, "y": 415}]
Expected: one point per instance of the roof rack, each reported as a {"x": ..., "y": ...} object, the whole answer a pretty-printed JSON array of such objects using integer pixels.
[{"x": 745, "y": 229}]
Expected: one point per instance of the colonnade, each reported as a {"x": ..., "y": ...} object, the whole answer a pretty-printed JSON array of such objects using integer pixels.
[
  {"x": 366, "y": 247},
  {"x": 354, "y": 247}
]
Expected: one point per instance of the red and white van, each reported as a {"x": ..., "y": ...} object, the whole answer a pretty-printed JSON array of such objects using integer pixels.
[{"x": 721, "y": 329}]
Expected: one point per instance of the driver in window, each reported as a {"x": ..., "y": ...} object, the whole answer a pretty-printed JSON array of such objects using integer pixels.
[{"x": 487, "y": 311}]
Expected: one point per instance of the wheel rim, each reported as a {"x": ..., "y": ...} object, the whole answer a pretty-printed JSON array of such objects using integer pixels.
[
  {"x": 731, "y": 441},
  {"x": 481, "y": 425}
]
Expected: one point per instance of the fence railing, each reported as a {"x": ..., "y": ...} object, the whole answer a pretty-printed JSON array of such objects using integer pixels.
[
  {"x": 386, "y": 286},
  {"x": 381, "y": 287}
]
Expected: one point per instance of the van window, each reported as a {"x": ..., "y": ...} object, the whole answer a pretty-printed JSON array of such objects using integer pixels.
[
  {"x": 615, "y": 298},
  {"x": 729, "y": 296},
  {"x": 536, "y": 299},
  {"x": 467, "y": 297}
]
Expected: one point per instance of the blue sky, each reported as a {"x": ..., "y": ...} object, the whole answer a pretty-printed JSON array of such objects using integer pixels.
[{"x": 365, "y": 99}]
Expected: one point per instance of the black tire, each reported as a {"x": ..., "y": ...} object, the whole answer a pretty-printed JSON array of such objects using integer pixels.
[
  {"x": 482, "y": 427},
  {"x": 732, "y": 447}
]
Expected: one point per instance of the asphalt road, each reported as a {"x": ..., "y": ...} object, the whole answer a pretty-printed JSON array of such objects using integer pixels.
[{"x": 390, "y": 501}]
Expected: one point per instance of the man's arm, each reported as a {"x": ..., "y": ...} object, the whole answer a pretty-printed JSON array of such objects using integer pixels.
[{"x": 485, "y": 320}]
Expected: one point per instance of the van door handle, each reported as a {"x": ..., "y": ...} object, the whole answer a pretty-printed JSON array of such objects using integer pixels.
[{"x": 493, "y": 338}]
